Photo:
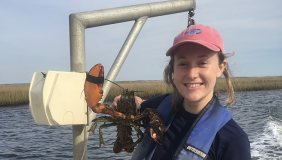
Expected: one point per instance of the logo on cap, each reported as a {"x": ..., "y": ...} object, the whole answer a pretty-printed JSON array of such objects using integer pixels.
[{"x": 194, "y": 31}]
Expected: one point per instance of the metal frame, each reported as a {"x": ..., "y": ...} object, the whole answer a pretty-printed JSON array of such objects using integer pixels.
[{"x": 80, "y": 21}]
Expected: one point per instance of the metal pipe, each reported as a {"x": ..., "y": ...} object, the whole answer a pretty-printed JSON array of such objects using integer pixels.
[
  {"x": 77, "y": 58},
  {"x": 129, "y": 13},
  {"x": 123, "y": 54},
  {"x": 77, "y": 44}
]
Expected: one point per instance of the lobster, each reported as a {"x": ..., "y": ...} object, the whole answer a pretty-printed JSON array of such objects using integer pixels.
[{"x": 124, "y": 117}]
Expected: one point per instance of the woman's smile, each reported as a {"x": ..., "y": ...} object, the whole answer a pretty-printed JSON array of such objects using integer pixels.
[{"x": 192, "y": 85}]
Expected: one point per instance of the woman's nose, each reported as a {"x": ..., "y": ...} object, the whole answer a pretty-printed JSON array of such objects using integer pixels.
[{"x": 192, "y": 73}]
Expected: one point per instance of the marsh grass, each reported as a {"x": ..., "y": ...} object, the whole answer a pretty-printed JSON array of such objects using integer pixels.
[
  {"x": 13, "y": 95},
  {"x": 155, "y": 88},
  {"x": 146, "y": 89},
  {"x": 251, "y": 84},
  {"x": 18, "y": 94}
]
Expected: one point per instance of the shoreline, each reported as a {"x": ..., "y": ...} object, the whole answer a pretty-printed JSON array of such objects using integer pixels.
[{"x": 17, "y": 94}]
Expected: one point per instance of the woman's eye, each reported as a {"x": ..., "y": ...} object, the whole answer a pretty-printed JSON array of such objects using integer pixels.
[
  {"x": 203, "y": 63},
  {"x": 182, "y": 64}
]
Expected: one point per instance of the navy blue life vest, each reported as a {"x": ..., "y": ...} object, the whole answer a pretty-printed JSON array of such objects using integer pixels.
[{"x": 198, "y": 140}]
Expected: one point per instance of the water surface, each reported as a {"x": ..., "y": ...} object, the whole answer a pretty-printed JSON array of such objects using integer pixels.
[{"x": 259, "y": 113}]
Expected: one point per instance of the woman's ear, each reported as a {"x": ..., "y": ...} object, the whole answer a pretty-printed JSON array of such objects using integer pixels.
[{"x": 221, "y": 68}]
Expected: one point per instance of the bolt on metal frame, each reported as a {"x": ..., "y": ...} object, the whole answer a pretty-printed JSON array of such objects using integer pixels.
[{"x": 78, "y": 22}]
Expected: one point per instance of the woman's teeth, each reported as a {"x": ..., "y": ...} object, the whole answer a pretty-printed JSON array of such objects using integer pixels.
[{"x": 192, "y": 85}]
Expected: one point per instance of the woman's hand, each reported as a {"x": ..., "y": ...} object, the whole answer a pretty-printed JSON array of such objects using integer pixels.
[
  {"x": 114, "y": 104},
  {"x": 138, "y": 101}
]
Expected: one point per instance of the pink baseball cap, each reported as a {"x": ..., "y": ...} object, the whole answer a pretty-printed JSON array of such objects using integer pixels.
[{"x": 200, "y": 34}]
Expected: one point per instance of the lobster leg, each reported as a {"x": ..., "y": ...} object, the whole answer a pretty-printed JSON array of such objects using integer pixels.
[
  {"x": 100, "y": 119},
  {"x": 139, "y": 133},
  {"x": 106, "y": 109},
  {"x": 147, "y": 112},
  {"x": 101, "y": 133}
]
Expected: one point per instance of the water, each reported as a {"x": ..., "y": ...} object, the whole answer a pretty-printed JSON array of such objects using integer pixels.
[{"x": 259, "y": 113}]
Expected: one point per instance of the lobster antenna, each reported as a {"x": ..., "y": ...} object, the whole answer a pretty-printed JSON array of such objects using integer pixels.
[{"x": 114, "y": 83}]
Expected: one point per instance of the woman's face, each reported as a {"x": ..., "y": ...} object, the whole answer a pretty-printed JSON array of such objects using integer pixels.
[{"x": 195, "y": 71}]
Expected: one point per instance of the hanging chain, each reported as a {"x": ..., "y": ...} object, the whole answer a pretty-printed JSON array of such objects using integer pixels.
[{"x": 191, "y": 21}]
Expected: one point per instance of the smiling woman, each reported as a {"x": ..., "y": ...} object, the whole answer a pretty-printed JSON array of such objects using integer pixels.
[{"x": 197, "y": 125}]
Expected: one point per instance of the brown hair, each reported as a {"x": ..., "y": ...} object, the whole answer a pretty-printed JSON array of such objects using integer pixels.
[{"x": 168, "y": 78}]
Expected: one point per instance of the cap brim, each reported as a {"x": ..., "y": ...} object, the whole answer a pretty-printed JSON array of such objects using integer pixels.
[{"x": 203, "y": 43}]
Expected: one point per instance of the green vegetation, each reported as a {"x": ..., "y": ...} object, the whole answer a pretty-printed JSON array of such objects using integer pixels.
[{"x": 18, "y": 94}]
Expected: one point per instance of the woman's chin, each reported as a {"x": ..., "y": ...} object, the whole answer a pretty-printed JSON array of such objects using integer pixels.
[
  {"x": 192, "y": 98},
  {"x": 198, "y": 97}
]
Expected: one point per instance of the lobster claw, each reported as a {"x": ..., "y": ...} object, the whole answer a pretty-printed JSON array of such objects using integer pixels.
[
  {"x": 93, "y": 85},
  {"x": 157, "y": 129}
]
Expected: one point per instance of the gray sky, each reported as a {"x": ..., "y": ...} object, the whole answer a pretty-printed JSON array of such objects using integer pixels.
[{"x": 34, "y": 37}]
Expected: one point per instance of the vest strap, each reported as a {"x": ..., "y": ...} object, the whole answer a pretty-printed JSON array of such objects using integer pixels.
[
  {"x": 203, "y": 111},
  {"x": 203, "y": 133},
  {"x": 195, "y": 150}
]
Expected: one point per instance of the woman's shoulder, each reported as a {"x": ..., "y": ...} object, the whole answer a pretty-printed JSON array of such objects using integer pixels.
[
  {"x": 230, "y": 131},
  {"x": 153, "y": 102},
  {"x": 230, "y": 142}
]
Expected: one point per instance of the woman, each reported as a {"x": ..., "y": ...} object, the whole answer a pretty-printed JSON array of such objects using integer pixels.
[{"x": 197, "y": 125}]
